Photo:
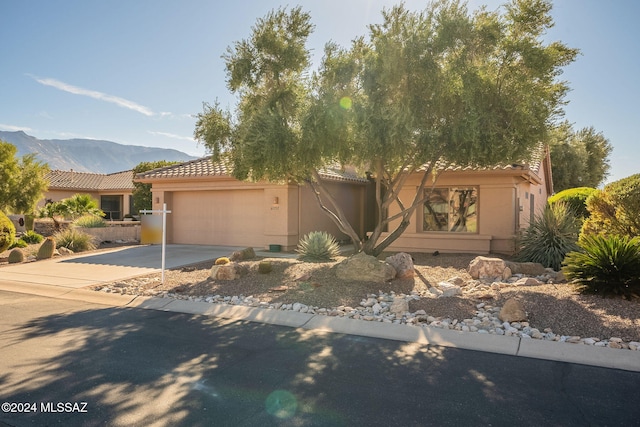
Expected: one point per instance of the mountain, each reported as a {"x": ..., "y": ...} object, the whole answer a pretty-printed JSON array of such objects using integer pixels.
[{"x": 89, "y": 155}]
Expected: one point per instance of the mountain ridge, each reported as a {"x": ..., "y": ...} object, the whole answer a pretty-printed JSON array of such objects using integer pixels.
[{"x": 89, "y": 155}]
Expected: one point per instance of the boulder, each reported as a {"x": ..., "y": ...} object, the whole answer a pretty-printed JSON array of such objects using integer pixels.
[
  {"x": 403, "y": 263},
  {"x": 527, "y": 268},
  {"x": 512, "y": 311},
  {"x": 399, "y": 306},
  {"x": 449, "y": 289},
  {"x": 527, "y": 281},
  {"x": 225, "y": 271},
  {"x": 366, "y": 268},
  {"x": 489, "y": 268}
]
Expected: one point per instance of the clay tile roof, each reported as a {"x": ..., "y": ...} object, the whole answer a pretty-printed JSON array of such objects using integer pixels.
[
  {"x": 90, "y": 181},
  {"x": 205, "y": 167}
]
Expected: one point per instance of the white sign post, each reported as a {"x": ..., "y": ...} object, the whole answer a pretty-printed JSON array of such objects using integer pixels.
[{"x": 164, "y": 213}]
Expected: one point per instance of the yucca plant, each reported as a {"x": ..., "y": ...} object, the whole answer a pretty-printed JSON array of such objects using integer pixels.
[
  {"x": 606, "y": 265},
  {"x": 550, "y": 236},
  {"x": 318, "y": 246},
  {"x": 75, "y": 240}
]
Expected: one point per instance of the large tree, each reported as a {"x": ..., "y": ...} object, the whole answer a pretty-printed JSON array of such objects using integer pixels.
[
  {"x": 142, "y": 197},
  {"x": 578, "y": 158},
  {"x": 439, "y": 86},
  {"x": 22, "y": 180}
]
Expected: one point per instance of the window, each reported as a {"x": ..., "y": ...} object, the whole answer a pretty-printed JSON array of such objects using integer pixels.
[
  {"x": 112, "y": 207},
  {"x": 451, "y": 210}
]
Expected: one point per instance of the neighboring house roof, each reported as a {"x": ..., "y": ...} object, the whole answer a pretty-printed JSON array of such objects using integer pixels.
[
  {"x": 205, "y": 167},
  {"x": 71, "y": 180}
]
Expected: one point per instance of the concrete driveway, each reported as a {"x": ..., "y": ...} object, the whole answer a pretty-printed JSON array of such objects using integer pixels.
[{"x": 83, "y": 270}]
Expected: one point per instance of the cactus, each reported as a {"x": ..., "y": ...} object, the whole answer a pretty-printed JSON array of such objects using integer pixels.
[
  {"x": 47, "y": 248},
  {"x": 318, "y": 246},
  {"x": 264, "y": 267},
  {"x": 222, "y": 260},
  {"x": 16, "y": 256}
]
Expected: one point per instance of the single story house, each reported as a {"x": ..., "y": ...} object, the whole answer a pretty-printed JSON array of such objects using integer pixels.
[
  {"x": 210, "y": 207},
  {"x": 467, "y": 210},
  {"x": 113, "y": 191}
]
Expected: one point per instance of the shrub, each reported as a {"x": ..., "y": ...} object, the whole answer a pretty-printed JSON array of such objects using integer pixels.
[
  {"x": 318, "y": 246},
  {"x": 7, "y": 232},
  {"x": 16, "y": 256},
  {"x": 264, "y": 267},
  {"x": 575, "y": 198},
  {"x": 607, "y": 265},
  {"x": 75, "y": 240},
  {"x": 19, "y": 244},
  {"x": 550, "y": 236},
  {"x": 614, "y": 209},
  {"x": 222, "y": 260},
  {"x": 90, "y": 221},
  {"x": 47, "y": 248},
  {"x": 31, "y": 237}
]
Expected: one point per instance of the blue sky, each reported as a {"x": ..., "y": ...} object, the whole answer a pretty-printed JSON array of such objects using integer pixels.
[{"x": 137, "y": 71}]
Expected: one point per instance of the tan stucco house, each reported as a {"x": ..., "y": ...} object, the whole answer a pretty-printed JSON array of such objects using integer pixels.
[
  {"x": 210, "y": 207},
  {"x": 113, "y": 191},
  {"x": 468, "y": 210}
]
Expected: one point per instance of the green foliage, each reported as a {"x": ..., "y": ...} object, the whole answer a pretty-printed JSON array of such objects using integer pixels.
[
  {"x": 16, "y": 256},
  {"x": 22, "y": 180},
  {"x": 31, "y": 237},
  {"x": 81, "y": 204},
  {"x": 90, "y": 221},
  {"x": 75, "y": 240},
  {"x": 550, "y": 236},
  {"x": 47, "y": 248},
  {"x": 264, "y": 267},
  {"x": 606, "y": 265},
  {"x": 222, "y": 260},
  {"x": 318, "y": 246},
  {"x": 575, "y": 198},
  {"x": 476, "y": 89},
  {"x": 7, "y": 232},
  {"x": 614, "y": 209},
  {"x": 578, "y": 159},
  {"x": 142, "y": 198},
  {"x": 18, "y": 244}
]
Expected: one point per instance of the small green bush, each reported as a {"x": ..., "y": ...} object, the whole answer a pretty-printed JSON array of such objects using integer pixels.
[
  {"x": 7, "y": 232},
  {"x": 75, "y": 240},
  {"x": 614, "y": 209},
  {"x": 32, "y": 237},
  {"x": 90, "y": 221},
  {"x": 575, "y": 198},
  {"x": 550, "y": 236},
  {"x": 318, "y": 246},
  {"x": 264, "y": 267},
  {"x": 19, "y": 244},
  {"x": 606, "y": 265}
]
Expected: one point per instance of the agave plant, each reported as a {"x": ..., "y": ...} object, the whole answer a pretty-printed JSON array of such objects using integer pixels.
[
  {"x": 318, "y": 246},
  {"x": 607, "y": 265},
  {"x": 550, "y": 236}
]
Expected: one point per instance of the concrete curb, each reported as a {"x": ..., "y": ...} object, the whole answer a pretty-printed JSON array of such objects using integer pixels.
[{"x": 514, "y": 346}]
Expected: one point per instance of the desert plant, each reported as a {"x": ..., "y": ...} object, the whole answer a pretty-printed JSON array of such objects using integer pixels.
[
  {"x": 16, "y": 256},
  {"x": 552, "y": 234},
  {"x": 75, "y": 240},
  {"x": 47, "y": 248},
  {"x": 18, "y": 244},
  {"x": 31, "y": 237},
  {"x": 7, "y": 232},
  {"x": 264, "y": 267},
  {"x": 222, "y": 260},
  {"x": 606, "y": 265},
  {"x": 318, "y": 246},
  {"x": 90, "y": 221},
  {"x": 575, "y": 198}
]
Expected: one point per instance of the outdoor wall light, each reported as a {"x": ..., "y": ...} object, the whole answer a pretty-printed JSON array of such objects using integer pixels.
[
  {"x": 275, "y": 200},
  {"x": 157, "y": 199}
]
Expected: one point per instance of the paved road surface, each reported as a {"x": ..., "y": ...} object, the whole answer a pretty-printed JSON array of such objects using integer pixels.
[{"x": 153, "y": 368}]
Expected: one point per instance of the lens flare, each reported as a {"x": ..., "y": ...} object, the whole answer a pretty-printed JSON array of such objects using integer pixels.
[
  {"x": 281, "y": 404},
  {"x": 345, "y": 102}
]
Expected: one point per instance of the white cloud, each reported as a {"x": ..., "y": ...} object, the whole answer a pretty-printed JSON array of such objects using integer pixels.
[
  {"x": 121, "y": 102},
  {"x": 171, "y": 135},
  {"x": 12, "y": 128}
]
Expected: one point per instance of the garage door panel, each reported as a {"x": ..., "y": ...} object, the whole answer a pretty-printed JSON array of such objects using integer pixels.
[{"x": 225, "y": 217}]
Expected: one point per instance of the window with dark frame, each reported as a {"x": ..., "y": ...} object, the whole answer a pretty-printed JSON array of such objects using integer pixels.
[{"x": 451, "y": 209}]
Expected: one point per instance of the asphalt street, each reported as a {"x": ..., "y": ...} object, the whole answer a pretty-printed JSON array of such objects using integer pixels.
[{"x": 75, "y": 363}]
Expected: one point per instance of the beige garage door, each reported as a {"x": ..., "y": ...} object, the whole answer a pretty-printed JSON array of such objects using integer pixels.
[{"x": 234, "y": 218}]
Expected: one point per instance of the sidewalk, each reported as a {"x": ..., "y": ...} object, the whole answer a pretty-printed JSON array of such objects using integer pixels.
[{"x": 64, "y": 278}]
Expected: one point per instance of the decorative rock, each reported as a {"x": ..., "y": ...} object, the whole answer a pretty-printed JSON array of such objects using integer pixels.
[
  {"x": 449, "y": 289},
  {"x": 363, "y": 267},
  {"x": 512, "y": 311},
  {"x": 403, "y": 264},
  {"x": 488, "y": 268},
  {"x": 224, "y": 272},
  {"x": 399, "y": 306},
  {"x": 526, "y": 268},
  {"x": 527, "y": 281}
]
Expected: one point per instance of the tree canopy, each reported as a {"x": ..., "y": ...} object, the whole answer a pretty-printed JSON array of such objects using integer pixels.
[
  {"x": 22, "y": 180},
  {"x": 438, "y": 86},
  {"x": 578, "y": 158},
  {"x": 142, "y": 198}
]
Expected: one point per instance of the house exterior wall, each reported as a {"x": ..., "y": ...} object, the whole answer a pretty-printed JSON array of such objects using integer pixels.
[{"x": 57, "y": 195}]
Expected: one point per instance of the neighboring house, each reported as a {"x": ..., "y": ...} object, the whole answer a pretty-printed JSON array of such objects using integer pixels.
[
  {"x": 210, "y": 207},
  {"x": 477, "y": 210},
  {"x": 468, "y": 210},
  {"x": 113, "y": 191}
]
